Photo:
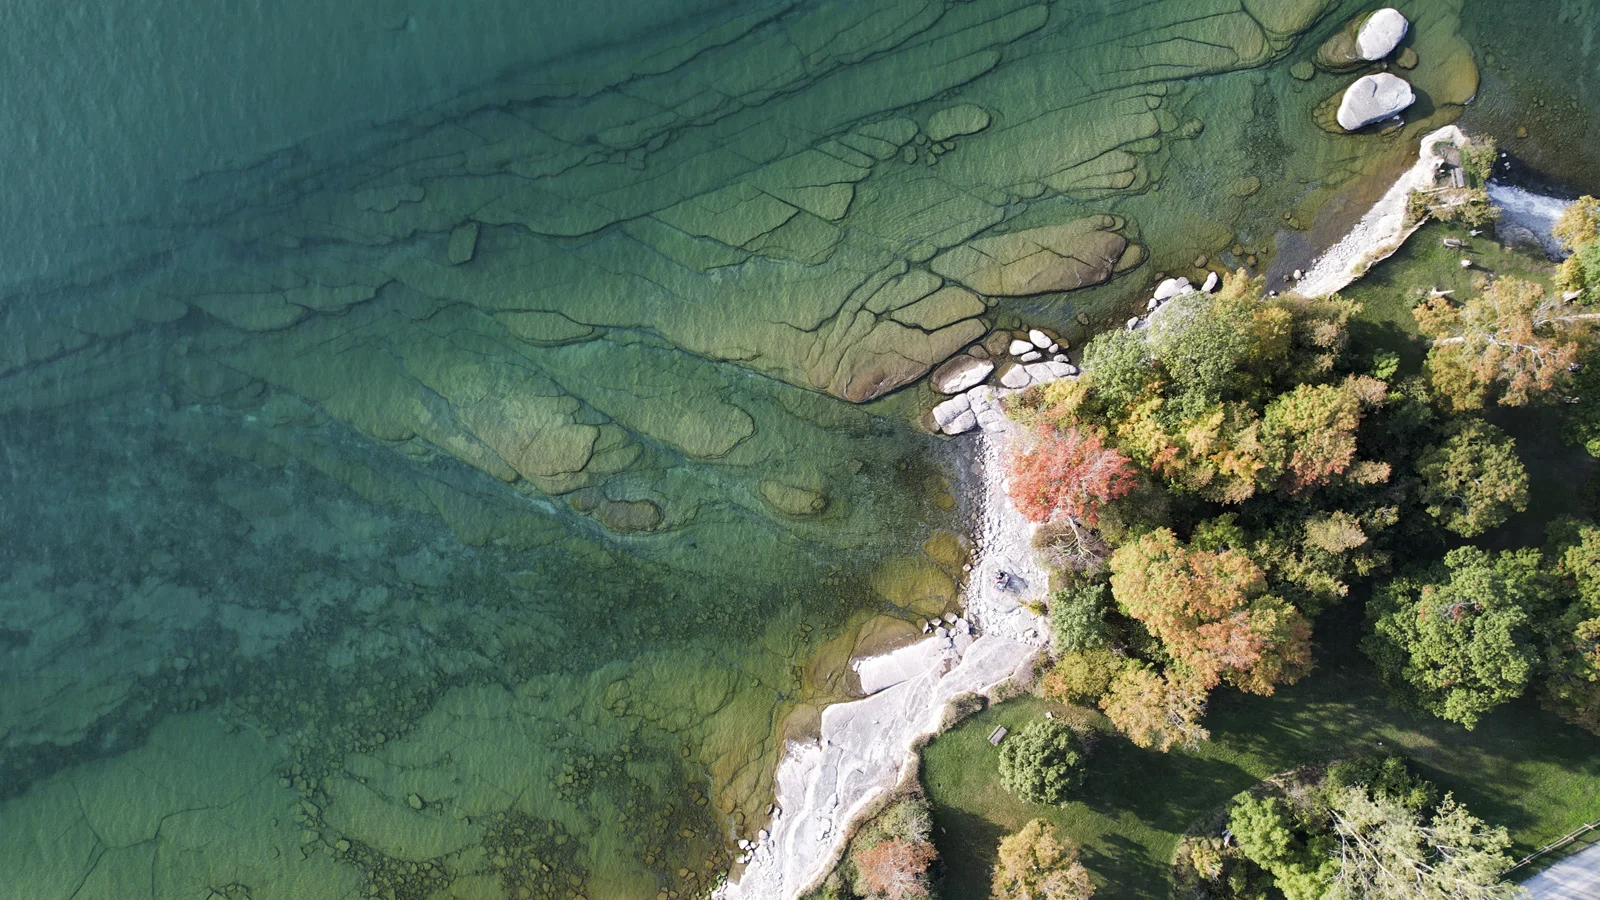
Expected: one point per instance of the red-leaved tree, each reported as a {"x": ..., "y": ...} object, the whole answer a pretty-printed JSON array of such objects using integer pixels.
[
  {"x": 895, "y": 869},
  {"x": 1068, "y": 473}
]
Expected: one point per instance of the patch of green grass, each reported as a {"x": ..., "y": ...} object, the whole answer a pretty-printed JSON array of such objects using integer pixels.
[
  {"x": 1394, "y": 287},
  {"x": 1522, "y": 768}
]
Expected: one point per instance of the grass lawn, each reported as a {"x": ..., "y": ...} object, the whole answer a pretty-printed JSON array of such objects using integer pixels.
[{"x": 1522, "y": 767}]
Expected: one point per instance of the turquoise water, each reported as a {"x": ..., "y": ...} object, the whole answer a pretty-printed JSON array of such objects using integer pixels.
[{"x": 447, "y": 452}]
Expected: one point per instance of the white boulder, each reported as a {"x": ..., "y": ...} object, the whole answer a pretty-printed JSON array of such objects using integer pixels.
[
  {"x": 1374, "y": 98},
  {"x": 1039, "y": 339},
  {"x": 1212, "y": 281},
  {"x": 1381, "y": 33},
  {"x": 961, "y": 424},
  {"x": 1018, "y": 348},
  {"x": 950, "y": 410},
  {"x": 960, "y": 373},
  {"x": 1016, "y": 377},
  {"x": 1170, "y": 288},
  {"x": 1031, "y": 356}
]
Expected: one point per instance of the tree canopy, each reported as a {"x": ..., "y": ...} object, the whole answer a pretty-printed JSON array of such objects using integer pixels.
[
  {"x": 1043, "y": 762},
  {"x": 1457, "y": 641},
  {"x": 1211, "y": 612},
  {"x": 1473, "y": 480},
  {"x": 1037, "y": 863},
  {"x": 1510, "y": 343}
]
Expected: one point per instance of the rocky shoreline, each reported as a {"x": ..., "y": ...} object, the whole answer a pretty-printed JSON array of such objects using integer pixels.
[
  {"x": 867, "y": 747},
  {"x": 1382, "y": 230}
]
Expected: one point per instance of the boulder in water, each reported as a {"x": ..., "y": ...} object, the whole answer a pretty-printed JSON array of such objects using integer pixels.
[
  {"x": 1374, "y": 98},
  {"x": 1381, "y": 33},
  {"x": 960, "y": 373}
]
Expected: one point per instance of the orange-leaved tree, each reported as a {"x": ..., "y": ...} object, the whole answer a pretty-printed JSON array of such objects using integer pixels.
[
  {"x": 1068, "y": 473},
  {"x": 895, "y": 869},
  {"x": 1211, "y": 612},
  {"x": 1511, "y": 340}
]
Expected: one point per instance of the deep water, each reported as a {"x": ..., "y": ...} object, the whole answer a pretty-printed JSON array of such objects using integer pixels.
[{"x": 447, "y": 451}]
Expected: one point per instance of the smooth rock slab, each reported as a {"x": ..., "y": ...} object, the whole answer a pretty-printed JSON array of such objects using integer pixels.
[
  {"x": 1381, "y": 33},
  {"x": 961, "y": 373},
  {"x": 956, "y": 121},
  {"x": 1374, "y": 98}
]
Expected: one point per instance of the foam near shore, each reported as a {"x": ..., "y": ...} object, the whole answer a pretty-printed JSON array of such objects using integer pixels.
[{"x": 867, "y": 746}]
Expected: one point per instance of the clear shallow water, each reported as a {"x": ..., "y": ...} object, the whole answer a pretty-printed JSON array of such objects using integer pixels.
[{"x": 428, "y": 480}]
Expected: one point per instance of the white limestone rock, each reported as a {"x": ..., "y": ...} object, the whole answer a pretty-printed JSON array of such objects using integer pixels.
[
  {"x": 1212, "y": 281},
  {"x": 1039, "y": 339},
  {"x": 1016, "y": 377},
  {"x": 961, "y": 424},
  {"x": 1018, "y": 348},
  {"x": 1374, "y": 98},
  {"x": 1381, "y": 33},
  {"x": 949, "y": 410},
  {"x": 960, "y": 373},
  {"x": 1031, "y": 356},
  {"x": 1170, "y": 288}
]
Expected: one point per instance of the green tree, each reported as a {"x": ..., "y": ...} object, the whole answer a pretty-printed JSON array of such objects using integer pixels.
[
  {"x": 1078, "y": 618},
  {"x": 1043, "y": 762},
  {"x": 1473, "y": 481},
  {"x": 1269, "y": 836},
  {"x": 1037, "y": 863},
  {"x": 1117, "y": 365},
  {"x": 1200, "y": 342},
  {"x": 1572, "y": 686},
  {"x": 1458, "y": 643},
  {"x": 1387, "y": 851}
]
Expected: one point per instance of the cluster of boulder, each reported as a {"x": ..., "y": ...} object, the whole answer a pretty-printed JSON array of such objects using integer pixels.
[
  {"x": 1365, "y": 40},
  {"x": 1020, "y": 360},
  {"x": 1171, "y": 289}
]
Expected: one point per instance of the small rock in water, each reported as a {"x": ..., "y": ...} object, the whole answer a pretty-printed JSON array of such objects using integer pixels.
[
  {"x": 1212, "y": 281},
  {"x": 414, "y": 801},
  {"x": 1039, "y": 338},
  {"x": 1151, "y": 306},
  {"x": 1133, "y": 323},
  {"x": 1031, "y": 356},
  {"x": 1060, "y": 358},
  {"x": 1020, "y": 347},
  {"x": 1054, "y": 348}
]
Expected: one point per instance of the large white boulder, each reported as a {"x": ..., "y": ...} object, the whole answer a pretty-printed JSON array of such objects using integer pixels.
[
  {"x": 1374, "y": 98},
  {"x": 1019, "y": 347},
  {"x": 1039, "y": 339},
  {"x": 1381, "y": 33},
  {"x": 950, "y": 410},
  {"x": 960, "y": 373},
  {"x": 1170, "y": 288}
]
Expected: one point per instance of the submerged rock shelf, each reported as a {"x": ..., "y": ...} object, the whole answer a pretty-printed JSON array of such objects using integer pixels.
[{"x": 505, "y": 486}]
